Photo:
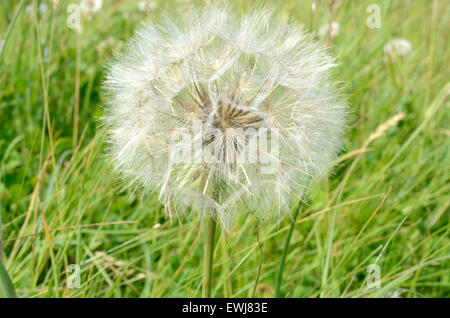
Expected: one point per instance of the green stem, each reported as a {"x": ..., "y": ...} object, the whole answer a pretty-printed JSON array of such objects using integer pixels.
[
  {"x": 11, "y": 25},
  {"x": 286, "y": 247},
  {"x": 209, "y": 256}
]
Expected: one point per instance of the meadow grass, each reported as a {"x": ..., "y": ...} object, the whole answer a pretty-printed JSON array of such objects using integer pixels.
[{"x": 386, "y": 202}]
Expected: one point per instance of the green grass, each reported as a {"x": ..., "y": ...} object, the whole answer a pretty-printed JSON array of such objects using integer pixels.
[{"x": 387, "y": 201}]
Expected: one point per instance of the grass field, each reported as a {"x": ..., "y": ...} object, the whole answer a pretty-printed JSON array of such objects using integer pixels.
[{"x": 386, "y": 202}]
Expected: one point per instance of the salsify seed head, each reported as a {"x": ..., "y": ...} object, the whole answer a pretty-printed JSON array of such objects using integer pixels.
[{"x": 223, "y": 113}]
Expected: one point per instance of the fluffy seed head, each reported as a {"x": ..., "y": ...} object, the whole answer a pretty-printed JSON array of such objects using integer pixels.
[
  {"x": 397, "y": 47},
  {"x": 146, "y": 5},
  {"x": 223, "y": 113},
  {"x": 329, "y": 30},
  {"x": 91, "y": 6}
]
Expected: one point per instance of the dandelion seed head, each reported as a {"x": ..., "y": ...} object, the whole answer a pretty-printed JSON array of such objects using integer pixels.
[
  {"x": 329, "y": 30},
  {"x": 91, "y": 6},
  {"x": 397, "y": 47},
  {"x": 146, "y": 5},
  {"x": 245, "y": 80},
  {"x": 42, "y": 9}
]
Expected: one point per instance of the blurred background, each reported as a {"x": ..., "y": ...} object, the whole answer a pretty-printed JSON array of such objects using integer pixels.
[{"x": 67, "y": 229}]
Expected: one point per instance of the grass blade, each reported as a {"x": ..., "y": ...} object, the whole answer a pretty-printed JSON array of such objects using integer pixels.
[{"x": 6, "y": 285}]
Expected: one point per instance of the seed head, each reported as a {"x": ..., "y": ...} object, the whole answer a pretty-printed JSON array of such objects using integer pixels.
[
  {"x": 91, "y": 6},
  {"x": 329, "y": 30},
  {"x": 397, "y": 47},
  {"x": 223, "y": 113}
]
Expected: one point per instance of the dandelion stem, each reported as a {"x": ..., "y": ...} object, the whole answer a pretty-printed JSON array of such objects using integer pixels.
[
  {"x": 209, "y": 256},
  {"x": 286, "y": 247}
]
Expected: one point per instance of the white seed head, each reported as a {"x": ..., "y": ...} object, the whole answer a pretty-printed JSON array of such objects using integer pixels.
[
  {"x": 329, "y": 30},
  {"x": 91, "y": 6},
  {"x": 397, "y": 47},
  {"x": 42, "y": 9},
  {"x": 144, "y": 6},
  {"x": 254, "y": 97}
]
